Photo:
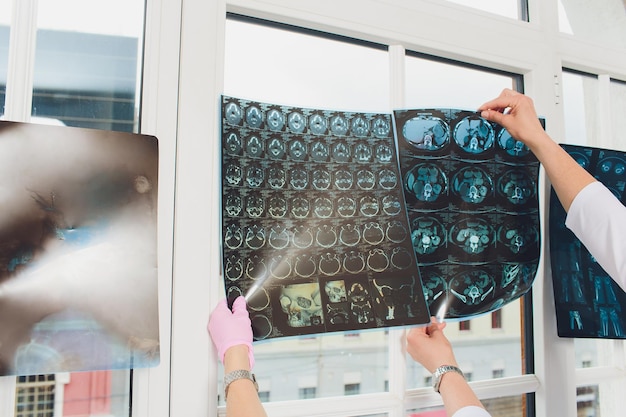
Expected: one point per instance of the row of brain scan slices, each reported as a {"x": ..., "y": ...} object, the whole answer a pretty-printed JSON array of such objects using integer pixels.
[
  {"x": 303, "y": 206},
  {"x": 302, "y": 177},
  {"x": 261, "y": 145},
  {"x": 321, "y": 235},
  {"x": 330, "y": 263},
  {"x": 299, "y": 121}
]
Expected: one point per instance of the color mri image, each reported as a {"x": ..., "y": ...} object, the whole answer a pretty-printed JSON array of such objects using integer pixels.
[
  {"x": 315, "y": 232},
  {"x": 336, "y": 221},
  {"x": 471, "y": 195},
  {"x": 588, "y": 302}
]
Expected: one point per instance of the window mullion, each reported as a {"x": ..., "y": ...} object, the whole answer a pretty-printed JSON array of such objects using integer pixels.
[
  {"x": 196, "y": 266},
  {"x": 19, "y": 89},
  {"x": 604, "y": 136},
  {"x": 397, "y": 359}
]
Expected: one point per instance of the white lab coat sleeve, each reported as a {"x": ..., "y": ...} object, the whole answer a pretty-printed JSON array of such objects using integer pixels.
[
  {"x": 471, "y": 411},
  {"x": 598, "y": 220}
]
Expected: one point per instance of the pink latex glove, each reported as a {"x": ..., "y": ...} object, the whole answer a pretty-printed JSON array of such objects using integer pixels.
[{"x": 230, "y": 328}]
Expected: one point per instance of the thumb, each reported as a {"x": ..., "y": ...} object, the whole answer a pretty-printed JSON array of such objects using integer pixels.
[
  {"x": 239, "y": 306},
  {"x": 493, "y": 115}
]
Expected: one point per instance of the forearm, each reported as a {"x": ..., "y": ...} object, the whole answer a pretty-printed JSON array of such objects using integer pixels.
[
  {"x": 566, "y": 176},
  {"x": 243, "y": 399},
  {"x": 456, "y": 393}
]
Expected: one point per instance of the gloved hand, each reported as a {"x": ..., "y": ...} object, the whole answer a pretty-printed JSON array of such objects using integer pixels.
[{"x": 230, "y": 328}]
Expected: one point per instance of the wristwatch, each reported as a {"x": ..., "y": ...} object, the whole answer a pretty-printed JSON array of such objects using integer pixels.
[
  {"x": 441, "y": 371},
  {"x": 238, "y": 374}
]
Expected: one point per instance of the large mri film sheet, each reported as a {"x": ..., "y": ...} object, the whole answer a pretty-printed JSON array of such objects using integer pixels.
[
  {"x": 315, "y": 232},
  {"x": 588, "y": 302}
]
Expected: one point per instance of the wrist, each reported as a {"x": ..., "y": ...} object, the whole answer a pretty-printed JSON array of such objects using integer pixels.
[
  {"x": 239, "y": 375},
  {"x": 446, "y": 371},
  {"x": 439, "y": 364},
  {"x": 236, "y": 357}
]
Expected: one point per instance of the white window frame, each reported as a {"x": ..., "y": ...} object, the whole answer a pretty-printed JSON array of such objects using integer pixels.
[{"x": 182, "y": 82}]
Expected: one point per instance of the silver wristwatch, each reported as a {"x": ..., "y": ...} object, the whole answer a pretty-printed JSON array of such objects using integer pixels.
[
  {"x": 441, "y": 371},
  {"x": 238, "y": 374}
]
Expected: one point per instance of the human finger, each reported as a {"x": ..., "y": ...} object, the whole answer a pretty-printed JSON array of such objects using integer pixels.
[
  {"x": 240, "y": 306},
  {"x": 435, "y": 325},
  {"x": 501, "y": 102}
]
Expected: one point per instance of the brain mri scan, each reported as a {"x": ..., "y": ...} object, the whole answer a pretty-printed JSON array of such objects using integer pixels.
[{"x": 313, "y": 213}]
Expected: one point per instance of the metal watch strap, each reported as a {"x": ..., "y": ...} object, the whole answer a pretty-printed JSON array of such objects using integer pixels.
[
  {"x": 238, "y": 374},
  {"x": 441, "y": 371}
]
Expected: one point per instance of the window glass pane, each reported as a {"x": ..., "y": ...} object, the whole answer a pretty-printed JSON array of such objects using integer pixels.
[
  {"x": 618, "y": 110},
  {"x": 599, "y": 400},
  {"x": 322, "y": 73},
  {"x": 580, "y": 93},
  {"x": 584, "y": 19},
  {"x": 323, "y": 366},
  {"x": 501, "y": 359},
  {"x": 432, "y": 84},
  {"x": 587, "y": 401},
  {"x": 87, "y": 63},
  {"x": 5, "y": 22},
  {"x": 514, "y": 9},
  {"x": 284, "y": 67},
  {"x": 94, "y": 393},
  {"x": 514, "y": 406}
]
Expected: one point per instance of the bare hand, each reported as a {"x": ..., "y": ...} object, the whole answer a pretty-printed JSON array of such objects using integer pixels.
[
  {"x": 516, "y": 113},
  {"x": 429, "y": 346}
]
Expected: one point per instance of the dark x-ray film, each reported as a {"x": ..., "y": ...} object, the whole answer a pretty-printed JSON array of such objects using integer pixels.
[
  {"x": 78, "y": 249},
  {"x": 315, "y": 231},
  {"x": 589, "y": 304},
  {"x": 472, "y": 201}
]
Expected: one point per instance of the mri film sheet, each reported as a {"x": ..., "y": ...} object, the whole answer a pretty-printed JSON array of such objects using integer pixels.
[
  {"x": 588, "y": 302},
  {"x": 314, "y": 227},
  {"x": 471, "y": 195}
]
